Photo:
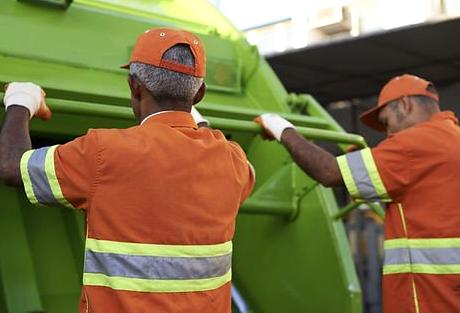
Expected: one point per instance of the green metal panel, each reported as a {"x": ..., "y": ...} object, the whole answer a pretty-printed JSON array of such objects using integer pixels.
[{"x": 291, "y": 250}]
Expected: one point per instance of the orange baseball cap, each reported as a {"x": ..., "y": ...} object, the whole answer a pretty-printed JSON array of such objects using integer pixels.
[
  {"x": 398, "y": 87},
  {"x": 153, "y": 43}
]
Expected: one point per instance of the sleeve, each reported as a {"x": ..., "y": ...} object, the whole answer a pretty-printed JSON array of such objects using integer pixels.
[
  {"x": 250, "y": 182},
  {"x": 378, "y": 174},
  {"x": 61, "y": 174},
  {"x": 245, "y": 170}
]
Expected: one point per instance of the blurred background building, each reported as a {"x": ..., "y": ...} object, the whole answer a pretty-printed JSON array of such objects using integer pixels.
[
  {"x": 342, "y": 52},
  {"x": 278, "y": 26}
]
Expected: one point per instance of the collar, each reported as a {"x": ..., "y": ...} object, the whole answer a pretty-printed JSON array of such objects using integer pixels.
[
  {"x": 445, "y": 115},
  {"x": 171, "y": 118},
  {"x": 153, "y": 114}
]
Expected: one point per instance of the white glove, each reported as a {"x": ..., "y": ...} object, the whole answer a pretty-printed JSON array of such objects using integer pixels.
[
  {"x": 27, "y": 95},
  {"x": 273, "y": 124},
  {"x": 198, "y": 117}
]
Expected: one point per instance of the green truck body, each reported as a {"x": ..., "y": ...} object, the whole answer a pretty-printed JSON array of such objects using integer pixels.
[{"x": 291, "y": 252}]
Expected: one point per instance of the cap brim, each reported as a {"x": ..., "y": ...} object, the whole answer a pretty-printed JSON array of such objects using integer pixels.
[
  {"x": 370, "y": 119},
  {"x": 126, "y": 66}
]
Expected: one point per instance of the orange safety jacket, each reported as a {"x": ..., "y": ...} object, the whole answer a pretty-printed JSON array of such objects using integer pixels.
[
  {"x": 161, "y": 200},
  {"x": 417, "y": 173}
]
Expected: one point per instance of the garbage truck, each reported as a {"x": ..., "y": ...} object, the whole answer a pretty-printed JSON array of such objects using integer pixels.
[{"x": 291, "y": 252}]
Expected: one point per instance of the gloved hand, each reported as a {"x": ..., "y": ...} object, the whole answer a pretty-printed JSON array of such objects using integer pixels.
[
  {"x": 27, "y": 95},
  {"x": 273, "y": 125},
  {"x": 199, "y": 119}
]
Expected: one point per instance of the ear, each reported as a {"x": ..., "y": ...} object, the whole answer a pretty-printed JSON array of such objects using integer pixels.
[
  {"x": 200, "y": 94},
  {"x": 135, "y": 87},
  {"x": 407, "y": 105}
]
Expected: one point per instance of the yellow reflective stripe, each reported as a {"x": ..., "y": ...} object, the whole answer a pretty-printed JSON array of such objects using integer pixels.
[
  {"x": 396, "y": 243},
  {"x": 374, "y": 175},
  {"x": 417, "y": 308},
  {"x": 156, "y": 285},
  {"x": 436, "y": 269},
  {"x": 26, "y": 178},
  {"x": 421, "y": 269},
  {"x": 347, "y": 176},
  {"x": 403, "y": 218},
  {"x": 422, "y": 243},
  {"x": 396, "y": 269},
  {"x": 53, "y": 180},
  {"x": 142, "y": 249},
  {"x": 435, "y": 243}
]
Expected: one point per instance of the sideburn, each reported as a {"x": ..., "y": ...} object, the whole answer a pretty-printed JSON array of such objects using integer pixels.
[{"x": 399, "y": 114}]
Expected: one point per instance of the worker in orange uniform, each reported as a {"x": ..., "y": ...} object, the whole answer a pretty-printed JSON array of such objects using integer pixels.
[
  {"x": 416, "y": 172},
  {"x": 160, "y": 198}
]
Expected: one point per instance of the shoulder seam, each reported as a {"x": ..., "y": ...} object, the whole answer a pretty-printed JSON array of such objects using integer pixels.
[{"x": 97, "y": 172}]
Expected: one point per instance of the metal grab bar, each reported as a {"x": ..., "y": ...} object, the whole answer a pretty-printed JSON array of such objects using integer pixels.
[
  {"x": 239, "y": 113},
  {"x": 307, "y": 132},
  {"x": 268, "y": 207},
  {"x": 353, "y": 205},
  {"x": 121, "y": 112},
  {"x": 104, "y": 110}
]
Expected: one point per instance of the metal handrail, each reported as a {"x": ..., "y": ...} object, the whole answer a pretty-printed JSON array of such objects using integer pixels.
[
  {"x": 227, "y": 124},
  {"x": 104, "y": 110},
  {"x": 240, "y": 113},
  {"x": 307, "y": 132},
  {"x": 353, "y": 205}
]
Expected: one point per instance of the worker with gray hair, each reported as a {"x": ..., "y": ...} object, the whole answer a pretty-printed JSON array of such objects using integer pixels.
[{"x": 160, "y": 198}]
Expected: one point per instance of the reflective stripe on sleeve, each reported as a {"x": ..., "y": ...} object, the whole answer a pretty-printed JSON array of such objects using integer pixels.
[
  {"x": 157, "y": 268},
  {"x": 53, "y": 180},
  {"x": 26, "y": 177},
  {"x": 39, "y": 177},
  {"x": 361, "y": 177},
  {"x": 347, "y": 176},
  {"x": 422, "y": 256},
  {"x": 374, "y": 175}
]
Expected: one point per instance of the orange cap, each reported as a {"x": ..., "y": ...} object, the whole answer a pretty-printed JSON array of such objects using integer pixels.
[
  {"x": 398, "y": 87},
  {"x": 153, "y": 43}
]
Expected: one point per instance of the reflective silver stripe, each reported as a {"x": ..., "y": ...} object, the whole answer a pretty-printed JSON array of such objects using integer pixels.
[
  {"x": 422, "y": 256},
  {"x": 38, "y": 178},
  {"x": 361, "y": 176},
  {"x": 396, "y": 256},
  {"x": 155, "y": 267},
  {"x": 435, "y": 256}
]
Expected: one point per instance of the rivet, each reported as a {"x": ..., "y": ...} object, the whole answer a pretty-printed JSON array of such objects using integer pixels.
[{"x": 162, "y": 34}]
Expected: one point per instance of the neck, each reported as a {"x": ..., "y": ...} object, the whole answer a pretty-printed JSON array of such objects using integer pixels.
[
  {"x": 174, "y": 105},
  {"x": 427, "y": 115},
  {"x": 152, "y": 108}
]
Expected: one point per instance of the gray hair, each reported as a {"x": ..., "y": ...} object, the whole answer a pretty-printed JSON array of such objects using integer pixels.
[{"x": 166, "y": 84}]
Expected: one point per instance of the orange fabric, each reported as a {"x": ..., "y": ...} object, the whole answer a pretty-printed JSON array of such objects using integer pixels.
[
  {"x": 163, "y": 182},
  {"x": 153, "y": 43},
  {"x": 400, "y": 86},
  {"x": 420, "y": 169},
  {"x": 218, "y": 300}
]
